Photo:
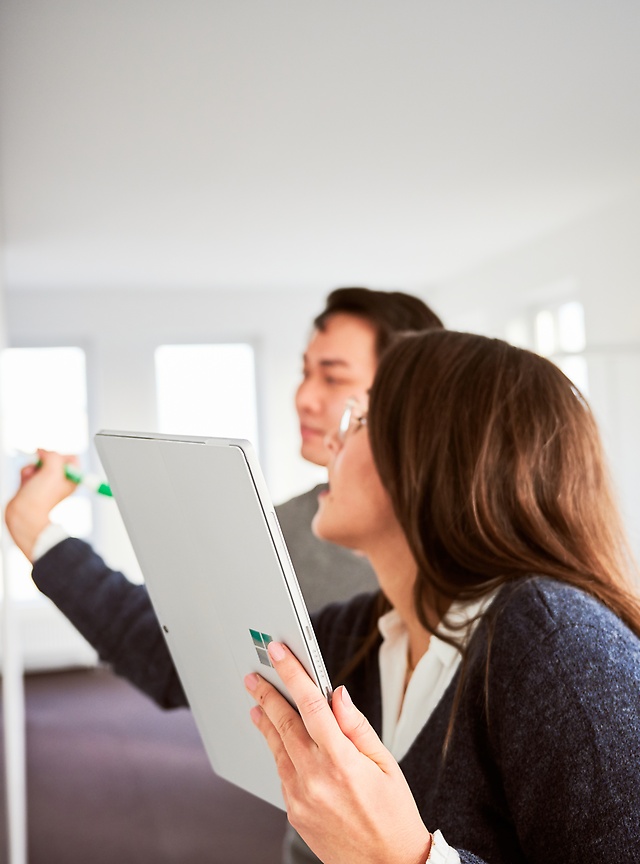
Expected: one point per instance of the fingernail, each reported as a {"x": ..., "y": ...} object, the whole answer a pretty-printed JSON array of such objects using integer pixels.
[
  {"x": 251, "y": 681},
  {"x": 276, "y": 651},
  {"x": 256, "y": 714},
  {"x": 346, "y": 698}
]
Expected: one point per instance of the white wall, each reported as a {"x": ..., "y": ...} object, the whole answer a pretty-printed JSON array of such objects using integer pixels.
[{"x": 596, "y": 261}]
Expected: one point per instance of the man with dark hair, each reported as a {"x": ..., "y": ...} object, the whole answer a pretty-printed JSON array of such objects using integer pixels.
[
  {"x": 340, "y": 360},
  {"x": 389, "y": 312},
  {"x": 115, "y": 615}
]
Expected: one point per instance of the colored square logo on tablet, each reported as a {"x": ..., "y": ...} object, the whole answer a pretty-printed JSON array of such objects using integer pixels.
[{"x": 260, "y": 642}]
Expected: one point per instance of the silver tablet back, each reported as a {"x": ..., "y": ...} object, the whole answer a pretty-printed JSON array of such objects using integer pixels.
[{"x": 206, "y": 536}]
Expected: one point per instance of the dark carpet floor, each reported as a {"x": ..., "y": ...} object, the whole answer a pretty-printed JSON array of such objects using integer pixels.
[{"x": 112, "y": 779}]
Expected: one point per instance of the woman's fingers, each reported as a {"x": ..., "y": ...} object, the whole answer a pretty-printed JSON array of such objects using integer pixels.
[
  {"x": 345, "y": 793},
  {"x": 283, "y": 761},
  {"x": 327, "y": 726},
  {"x": 281, "y": 717},
  {"x": 359, "y": 731},
  {"x": 320, "y": 719},
  {"x": 313, "y": 706}
]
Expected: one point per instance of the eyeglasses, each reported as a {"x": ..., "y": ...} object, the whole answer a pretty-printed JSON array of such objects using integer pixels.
[{"x": 353, "y": 417}]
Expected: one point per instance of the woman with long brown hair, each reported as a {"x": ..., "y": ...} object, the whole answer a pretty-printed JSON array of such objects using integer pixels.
[{"x": 493, "y": 686}]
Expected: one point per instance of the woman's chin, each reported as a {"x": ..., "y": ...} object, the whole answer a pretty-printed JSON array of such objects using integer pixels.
[{"x": 323, "y": 531}]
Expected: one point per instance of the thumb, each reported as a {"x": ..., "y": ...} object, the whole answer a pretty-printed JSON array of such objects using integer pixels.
[{"x": 358, "y": 730}]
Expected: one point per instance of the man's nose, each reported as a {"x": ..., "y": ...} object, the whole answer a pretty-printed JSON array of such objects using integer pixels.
[{"x": 308, "y": 396}]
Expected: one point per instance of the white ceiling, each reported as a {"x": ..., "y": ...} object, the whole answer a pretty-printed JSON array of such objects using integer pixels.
[{"x": 282, "y": 143}]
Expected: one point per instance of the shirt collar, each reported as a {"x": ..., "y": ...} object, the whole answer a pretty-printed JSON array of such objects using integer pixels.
[{"x": 464, "y": 617}]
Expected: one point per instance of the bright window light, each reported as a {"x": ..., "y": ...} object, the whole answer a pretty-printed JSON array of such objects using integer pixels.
[
  {"x": 545, "y": 330},
  {"x": 571, "y": 331},
  {"x": 575, "y": 368},
  {"x": 518, "y": 333},
  {"x": 44, "y": 400},
  {"x": 44, "y": 404},
  {"x": 207, "y": 390}
]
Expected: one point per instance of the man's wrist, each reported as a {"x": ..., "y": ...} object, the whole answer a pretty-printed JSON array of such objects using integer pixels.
[
  {"x": 50, "y": 536},
  {"x": 24, "y": 526}
]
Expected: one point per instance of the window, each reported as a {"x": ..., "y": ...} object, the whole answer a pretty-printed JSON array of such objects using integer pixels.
[
  {"x": 556, "y": 332},
  {"x": 571, "y": 329},
  {"x": 207, "y": 390},
  {"x": 44, "y": 404}
]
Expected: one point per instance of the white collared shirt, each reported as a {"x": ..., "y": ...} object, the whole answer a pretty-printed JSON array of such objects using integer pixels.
[{"x": 403, "y": 718}]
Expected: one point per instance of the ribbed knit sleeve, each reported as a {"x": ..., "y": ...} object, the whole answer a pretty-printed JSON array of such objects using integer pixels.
[{"x": 114, "y": 615}]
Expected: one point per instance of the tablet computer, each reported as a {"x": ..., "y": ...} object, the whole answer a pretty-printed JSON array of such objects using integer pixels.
[{"x": 216, "y": 566}]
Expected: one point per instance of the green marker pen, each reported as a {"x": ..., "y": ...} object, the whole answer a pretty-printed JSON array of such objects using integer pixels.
[{"x": 90, "y": 481}]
